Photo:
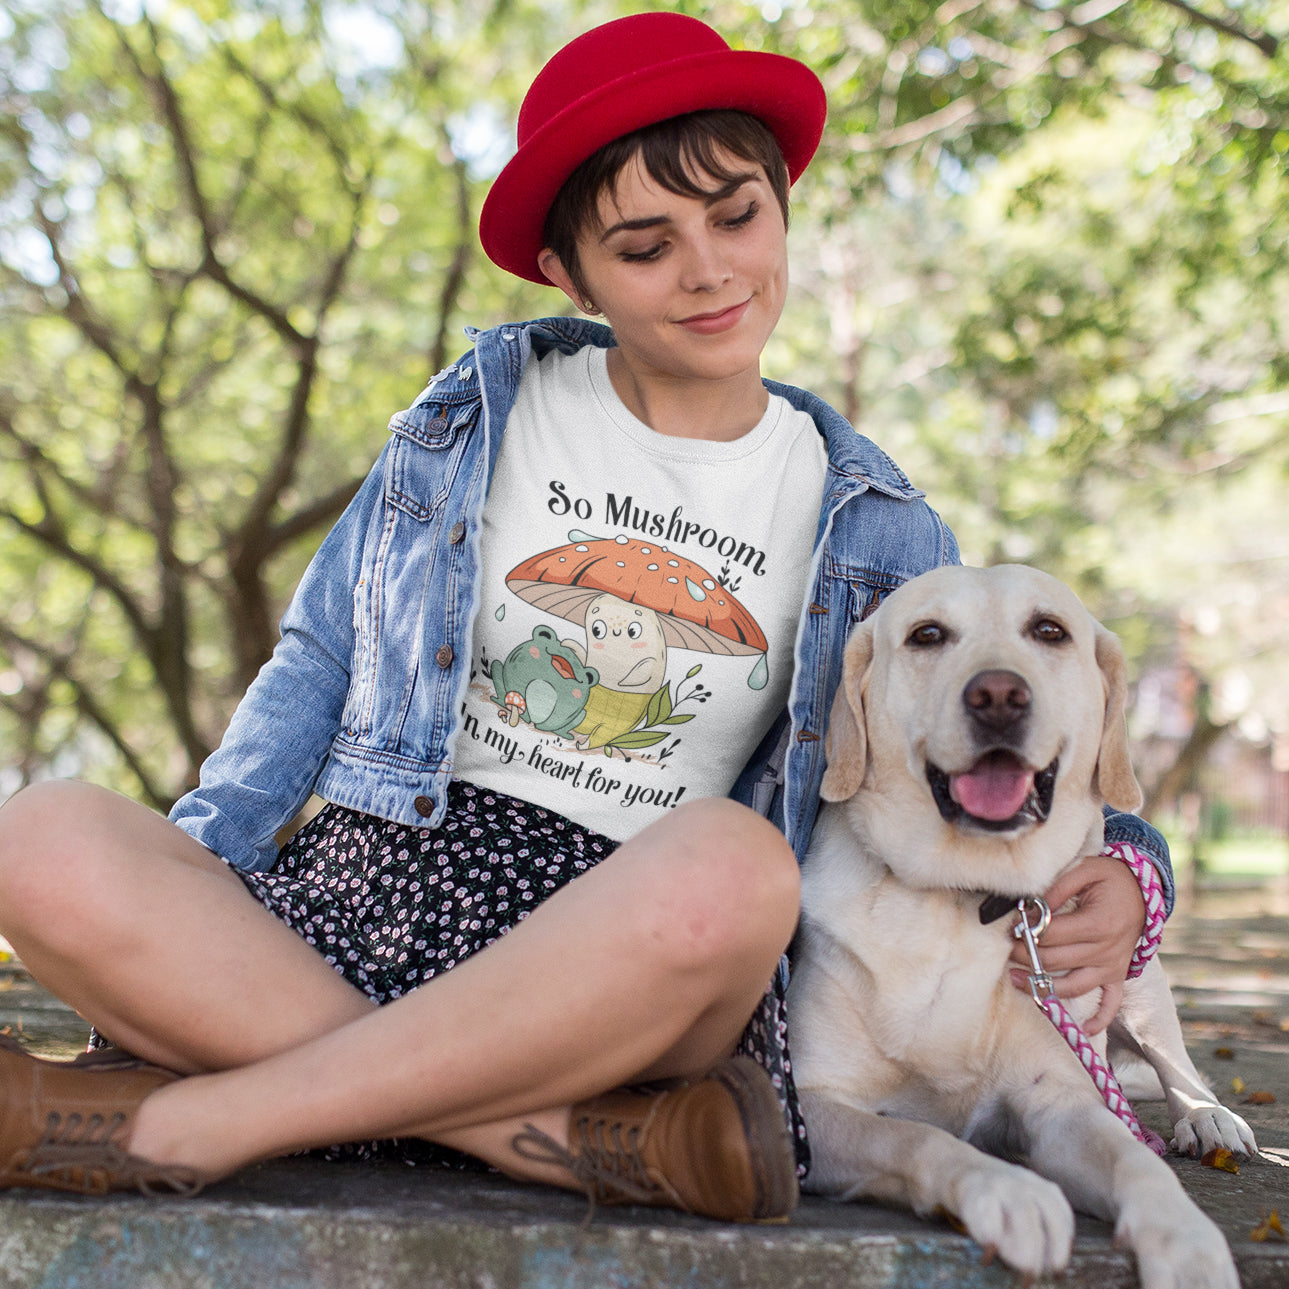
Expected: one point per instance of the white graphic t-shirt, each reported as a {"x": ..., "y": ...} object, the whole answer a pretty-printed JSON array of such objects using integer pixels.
[{"x": 640, "y": 600}]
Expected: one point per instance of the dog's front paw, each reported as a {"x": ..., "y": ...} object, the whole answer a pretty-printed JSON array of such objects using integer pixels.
[
  {"x": 1022, "y": 1217},
  {"x": 1206, "y": 1127},
  {"x": 1189, "y": 1254}
]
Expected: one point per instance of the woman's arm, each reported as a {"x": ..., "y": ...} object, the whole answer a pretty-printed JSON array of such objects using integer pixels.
[
  {"x": 1120, "y": 901},
  {"x": 280, "y": 734},
  {"x": 1147, "y": 841}
]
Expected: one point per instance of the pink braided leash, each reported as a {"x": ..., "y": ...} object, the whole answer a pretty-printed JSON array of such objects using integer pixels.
[
  {"x": 1040, "y": 984},
  {"x": 1102, "y": 1075},
  {"x": 1152, "y": 891}
]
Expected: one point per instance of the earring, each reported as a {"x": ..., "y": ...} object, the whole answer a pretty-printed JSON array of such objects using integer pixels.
[{"x": 588, "y": 306}]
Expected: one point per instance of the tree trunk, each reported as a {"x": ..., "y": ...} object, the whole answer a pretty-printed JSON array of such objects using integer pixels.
[{"x": 1190, "y": 758}]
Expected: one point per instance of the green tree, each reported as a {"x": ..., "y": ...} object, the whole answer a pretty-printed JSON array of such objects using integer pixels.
[
  {"x": 233, "y": 239},
  {"x": 1040, "y": 258},
  {"x": 1063, "y": 302}
]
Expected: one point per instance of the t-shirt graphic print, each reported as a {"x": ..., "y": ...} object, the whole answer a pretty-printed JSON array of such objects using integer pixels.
[{"x": 640, "y": 598}]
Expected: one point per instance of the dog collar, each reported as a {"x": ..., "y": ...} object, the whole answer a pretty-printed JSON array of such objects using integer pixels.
[{"x": 993, "y": 907}]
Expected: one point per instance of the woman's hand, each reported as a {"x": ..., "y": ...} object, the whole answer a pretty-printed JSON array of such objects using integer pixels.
[{"x": 1094, "y": 941}]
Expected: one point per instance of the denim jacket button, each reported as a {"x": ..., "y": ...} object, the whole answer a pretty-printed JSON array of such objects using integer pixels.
[
  {"x": 424, "y": 806},
  {"x": 437, "y": 425},
  {"x": 444, "y": 656},
  {"x": 457, "y": 533}
]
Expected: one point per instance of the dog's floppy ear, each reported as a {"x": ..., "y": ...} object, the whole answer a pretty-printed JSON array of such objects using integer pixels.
[
  {"x": 1116, "y": 782},
  {"x": 846, "y": 745}
]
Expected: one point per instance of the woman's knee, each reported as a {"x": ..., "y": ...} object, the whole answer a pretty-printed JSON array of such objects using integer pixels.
[
  {"x": 729, "y": 888},
  {"x": 55, "y": 867}
]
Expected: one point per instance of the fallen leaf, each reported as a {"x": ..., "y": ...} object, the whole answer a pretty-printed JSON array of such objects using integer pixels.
[
  {"x": 1260, "y": 1098},
  {"x": 1224, "y": 1053},
  {"x": 951, "y": 1218},
  {"x": 1269, "y": 1228},
  {"x": 1221, "y": 1158},
  {"x": 1237, "y": 1084}
]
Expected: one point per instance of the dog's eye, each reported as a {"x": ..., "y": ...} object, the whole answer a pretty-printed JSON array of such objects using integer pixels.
[
  {"x": 1045, "y": 631},
  {"x": 929, "y": 633}
]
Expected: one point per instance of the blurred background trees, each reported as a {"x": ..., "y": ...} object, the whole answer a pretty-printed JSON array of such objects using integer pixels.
[{"x": 1042, "y": 259}]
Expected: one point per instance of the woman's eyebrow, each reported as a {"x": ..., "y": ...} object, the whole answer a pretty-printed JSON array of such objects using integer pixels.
[
  {"x": 630, "y": 225},
  {"x": 730, "y": 187},
  {"x": 727, "y": 189}
]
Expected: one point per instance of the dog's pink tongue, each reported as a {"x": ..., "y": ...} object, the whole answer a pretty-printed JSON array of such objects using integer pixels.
[{"x": 993, "y": 790}]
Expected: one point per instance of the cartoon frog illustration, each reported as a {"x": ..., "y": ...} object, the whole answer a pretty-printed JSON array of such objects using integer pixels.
[{"x": 543, "y": 683}]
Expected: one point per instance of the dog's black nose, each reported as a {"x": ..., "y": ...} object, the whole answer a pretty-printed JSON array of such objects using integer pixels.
[{"x": 997, "y": 699}]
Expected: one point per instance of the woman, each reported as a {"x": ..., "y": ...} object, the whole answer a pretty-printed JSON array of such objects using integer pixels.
[{"x": 553, "y": 676}]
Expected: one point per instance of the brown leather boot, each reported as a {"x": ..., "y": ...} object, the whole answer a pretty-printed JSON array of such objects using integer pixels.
[
  {"x": 717, "y": 1146},
  {"x": 63, "y": 1124}
]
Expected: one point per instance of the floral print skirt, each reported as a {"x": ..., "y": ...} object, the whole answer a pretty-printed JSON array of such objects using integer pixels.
[{"x": 391, "y": 906}]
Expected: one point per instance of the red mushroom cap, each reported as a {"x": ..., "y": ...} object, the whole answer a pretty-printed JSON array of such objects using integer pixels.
[{"x": 697, "y": 611}]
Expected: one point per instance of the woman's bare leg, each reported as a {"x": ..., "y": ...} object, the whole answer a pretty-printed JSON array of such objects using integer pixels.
[
  {"x": 152, "y": 938},
  {"x": 646, "y": 966}
]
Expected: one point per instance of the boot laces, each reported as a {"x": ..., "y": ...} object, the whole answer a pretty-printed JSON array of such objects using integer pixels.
[
  {"x": 80, "y": 1152},
  {"x": 607, "y": 1162}
]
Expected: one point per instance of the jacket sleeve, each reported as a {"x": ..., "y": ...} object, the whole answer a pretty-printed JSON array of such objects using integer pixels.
[
  {"x": 280, "y": 734},
  {"x": 1149, "y": 841}
]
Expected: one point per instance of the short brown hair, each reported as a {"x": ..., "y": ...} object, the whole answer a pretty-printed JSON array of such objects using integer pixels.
[{"x": 672, "y": 152}]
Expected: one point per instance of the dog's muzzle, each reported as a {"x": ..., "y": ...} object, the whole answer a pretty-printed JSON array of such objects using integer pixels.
[{"x": 994, "y": 785}]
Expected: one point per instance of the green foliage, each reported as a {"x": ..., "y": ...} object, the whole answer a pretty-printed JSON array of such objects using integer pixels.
[
  {"x": 233, "y": 240},
  {"x": 1045, "y": 267},
  {"x": 1041, "y": 258}
]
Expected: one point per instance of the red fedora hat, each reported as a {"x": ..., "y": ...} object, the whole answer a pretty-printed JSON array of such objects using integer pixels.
[{"x": 621, "y": 77}]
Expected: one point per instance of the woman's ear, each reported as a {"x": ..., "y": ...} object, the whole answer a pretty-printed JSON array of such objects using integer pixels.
[{"x": 558, "y": 275}]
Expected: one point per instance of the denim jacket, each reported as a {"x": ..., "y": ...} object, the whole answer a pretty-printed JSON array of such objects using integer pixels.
[{"x": 360, "y": 702}]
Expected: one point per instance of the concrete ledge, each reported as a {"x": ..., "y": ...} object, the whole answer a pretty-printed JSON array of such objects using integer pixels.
[{"x": 304, "y": 1224}]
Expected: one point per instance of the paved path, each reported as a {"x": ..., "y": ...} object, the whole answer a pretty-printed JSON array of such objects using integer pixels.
[
  {"x": 1226, "y": 952},
  {"x": 302, "y": 1224}
]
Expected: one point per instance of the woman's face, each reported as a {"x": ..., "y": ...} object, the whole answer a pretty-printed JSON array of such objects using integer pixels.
[{"x": 692, "y": 287}]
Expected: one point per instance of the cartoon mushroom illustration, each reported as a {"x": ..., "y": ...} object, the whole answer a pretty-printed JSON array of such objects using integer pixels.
[{"x": 635, "y": 598}]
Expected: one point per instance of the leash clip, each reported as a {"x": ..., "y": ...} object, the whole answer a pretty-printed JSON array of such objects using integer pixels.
[{"x": 1040, "y": 983}]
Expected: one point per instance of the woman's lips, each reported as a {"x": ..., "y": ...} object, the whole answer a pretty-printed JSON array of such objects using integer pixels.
[{"x": 710, "y": 324}]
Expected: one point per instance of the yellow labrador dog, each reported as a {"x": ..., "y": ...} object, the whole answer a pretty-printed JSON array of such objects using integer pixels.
[{"x": 977, "y": 731}]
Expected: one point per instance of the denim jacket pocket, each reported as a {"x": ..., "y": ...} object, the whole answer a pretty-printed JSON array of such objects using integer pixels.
[
  {"x": 865, "y": 590},
  {"x": 423, "y": 468}
]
